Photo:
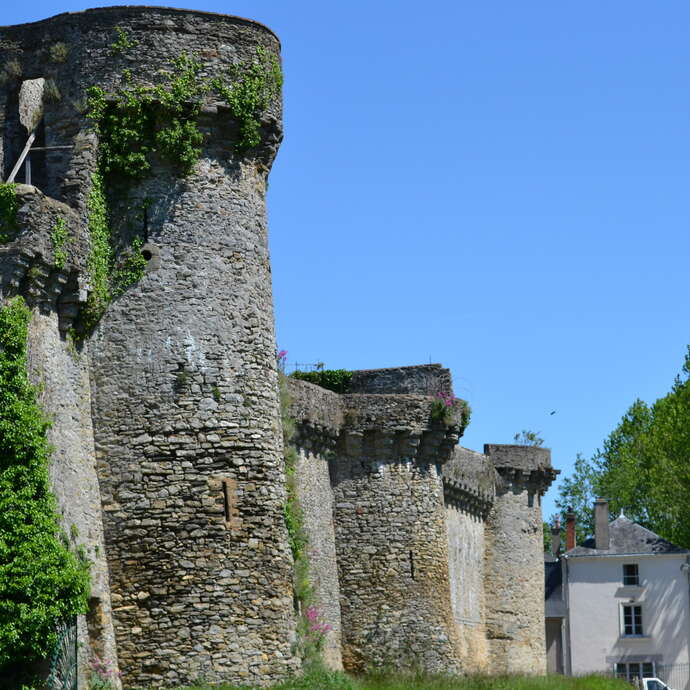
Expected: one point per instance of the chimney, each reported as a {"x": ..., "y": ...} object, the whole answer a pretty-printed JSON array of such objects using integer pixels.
[
  {"x": 601, "y": 524},
  {"x": 556, "y": 536},
  {"x": 569, "y": 529}
]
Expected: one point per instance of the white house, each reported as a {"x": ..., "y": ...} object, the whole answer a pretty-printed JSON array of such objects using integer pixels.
[{"x": 627, "y": 605}]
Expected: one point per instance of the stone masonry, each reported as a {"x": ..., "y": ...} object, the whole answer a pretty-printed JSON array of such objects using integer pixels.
[{"x": 168, "y": 461}]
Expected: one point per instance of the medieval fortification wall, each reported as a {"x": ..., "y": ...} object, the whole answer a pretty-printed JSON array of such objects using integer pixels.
[{"x": 168, "y": 453}]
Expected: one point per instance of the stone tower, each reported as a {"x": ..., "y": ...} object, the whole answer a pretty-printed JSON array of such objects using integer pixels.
[
  {"x": 178, "y": 375},
  {"x": 514, "y": 557}
]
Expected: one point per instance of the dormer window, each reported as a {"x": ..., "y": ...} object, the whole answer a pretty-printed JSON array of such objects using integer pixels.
[{"x": 631, "y": 575}]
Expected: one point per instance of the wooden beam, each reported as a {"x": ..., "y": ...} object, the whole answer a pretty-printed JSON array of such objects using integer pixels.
[{"x": 25, "y": 152}]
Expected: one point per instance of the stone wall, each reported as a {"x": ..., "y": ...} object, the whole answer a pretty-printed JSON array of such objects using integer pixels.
[
  {"x": 469, "y": 491},
  {"x": 63, "y": 377},
  {"x": 319, "y": 416},
  {"x": 424, "y": 379}
]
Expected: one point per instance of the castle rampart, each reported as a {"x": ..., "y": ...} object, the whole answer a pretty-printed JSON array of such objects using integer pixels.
[{"x": 157, "y": 360}]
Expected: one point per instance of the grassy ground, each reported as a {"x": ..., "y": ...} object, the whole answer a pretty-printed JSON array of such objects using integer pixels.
[{"x": 337, "y": 681}]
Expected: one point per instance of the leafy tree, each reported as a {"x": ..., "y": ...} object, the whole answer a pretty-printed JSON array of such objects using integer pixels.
[
  {"x": 577, "y": 493},
  {"x": 643, "y": 467},
  {"x": 528, "y": 438}
]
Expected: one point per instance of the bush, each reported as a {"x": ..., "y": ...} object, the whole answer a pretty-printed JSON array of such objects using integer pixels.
[{"x": 336, "y": 380}]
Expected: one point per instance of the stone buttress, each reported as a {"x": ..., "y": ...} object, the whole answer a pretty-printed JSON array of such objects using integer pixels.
[{"x": 179, "y": 373}]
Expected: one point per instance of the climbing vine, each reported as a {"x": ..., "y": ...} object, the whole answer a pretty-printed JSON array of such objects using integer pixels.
[
  {"x": 59, "y": 237},
  {"x": 249, "y": 89},
  {"x": 138, "y": 120},
  {"x": 130, "y": 269},
  {"x": 41, "y": 580},
  {"x": 101, "y": 255},
  {"x": 123, "y": 42},
  {"x": 9, "y": 205}
]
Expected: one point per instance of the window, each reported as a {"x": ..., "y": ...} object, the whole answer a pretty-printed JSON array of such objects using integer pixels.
[
  {"x": 630, "y": 671},
  {"x": 632, "y": 620},
  {"x": 631, "y": 574}
]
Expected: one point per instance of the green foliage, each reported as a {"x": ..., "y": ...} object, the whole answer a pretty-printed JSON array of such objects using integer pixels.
[
  {"x": 528, "y": 438},
  {"x": 643, "y": 466},
  {"x": 548, "y": 542},
  {"x": 9, "y": 205},
  {"x": 181, "y": 381},
  {"x": 101, "y": 254},
  {"x": 130, "y": 269},
  {"x": 250, "y": 89},
  {"x": 447, "y": 409},
  {"x": 58, "y": 238},
  {"x": 140, "y": 120},
  {"x": 41, "y": 581},
  {"x": 58, "y": 52},
  {"x": 180, "y": 142},
  {"x": 123, "y": 42},
  {"x": 336, "y": 380},
  {"x": 109, "y": 278},
  {"x": 578, "y": 492}
]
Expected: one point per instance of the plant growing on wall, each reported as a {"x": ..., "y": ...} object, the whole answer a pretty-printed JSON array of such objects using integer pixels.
[
  {"x": 249, "y": 88},
  {"x": 336, "y": 380},
  {"x": 311, "y": 628},
  {"x": 136, "y": 122},
  {"x": 58, "y": 238},
  {"x": 41, "y": 580},
  {"x": 447, "y": 409},
  {"x": 9, "y": 205}
]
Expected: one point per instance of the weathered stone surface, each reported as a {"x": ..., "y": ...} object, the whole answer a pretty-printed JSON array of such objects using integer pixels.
[
  {"x": 31, "y": 103},
  {"x": 423, "y": 379},
  {"x": 514, "y": 560}
]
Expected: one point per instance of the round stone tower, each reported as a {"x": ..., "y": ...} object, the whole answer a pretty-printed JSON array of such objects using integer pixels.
[
  {"x": 180, "y": 342},
  {"x": 514, "y": 559}
]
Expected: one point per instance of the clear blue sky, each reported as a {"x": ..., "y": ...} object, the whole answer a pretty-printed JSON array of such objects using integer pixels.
[{"x": 503, "y": 187}]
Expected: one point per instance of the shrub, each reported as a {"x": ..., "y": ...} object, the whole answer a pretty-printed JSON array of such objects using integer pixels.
[{"x": 336, "y": 380}]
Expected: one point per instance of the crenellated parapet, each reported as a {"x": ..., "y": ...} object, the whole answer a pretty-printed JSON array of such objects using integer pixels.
[
  {"x": 523, "y": 467},
  {"x": 469, "y": 482}
]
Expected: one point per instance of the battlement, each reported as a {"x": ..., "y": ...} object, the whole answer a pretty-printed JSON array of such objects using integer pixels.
[
  {"x": 527, "y": 464},
  {"x": 421, "y": 379}
]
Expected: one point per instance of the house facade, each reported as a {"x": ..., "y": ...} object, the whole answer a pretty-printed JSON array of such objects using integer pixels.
[{"x": 625, "y": 595}]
